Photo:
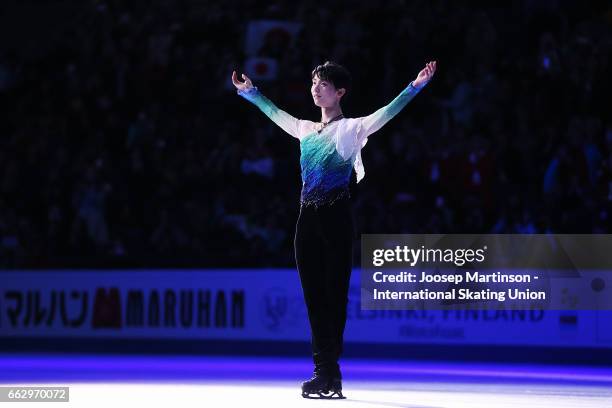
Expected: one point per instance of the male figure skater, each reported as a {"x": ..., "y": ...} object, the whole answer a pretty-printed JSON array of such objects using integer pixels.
[{"x": 324, "y": 231}]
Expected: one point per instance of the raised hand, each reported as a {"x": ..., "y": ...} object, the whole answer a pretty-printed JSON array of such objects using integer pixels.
[
  {"x": 241, "y": 86},
  {"x": 425, "y": 75}
]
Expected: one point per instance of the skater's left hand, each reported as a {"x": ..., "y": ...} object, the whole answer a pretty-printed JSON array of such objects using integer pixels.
[{"x": 425, "y": 75}]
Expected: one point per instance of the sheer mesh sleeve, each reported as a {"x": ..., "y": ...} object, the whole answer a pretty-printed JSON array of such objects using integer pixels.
[
  {"x": 373, "y": 122},
  {"x": 284, "y": 120}
]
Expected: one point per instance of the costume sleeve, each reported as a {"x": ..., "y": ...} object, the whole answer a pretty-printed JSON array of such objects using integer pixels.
[
  {"x": 369, "y": 124},
  {"x": 287, "y": 122},
  {"x": 373, "y": 122}
]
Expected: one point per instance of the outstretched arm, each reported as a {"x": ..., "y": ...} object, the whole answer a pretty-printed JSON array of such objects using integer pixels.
[
  {"x": 373, "y": 122},
  {"x": 249, "y": 92}
]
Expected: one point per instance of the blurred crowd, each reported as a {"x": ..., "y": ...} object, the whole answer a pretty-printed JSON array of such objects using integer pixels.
[{"x": 124, "y": 144}]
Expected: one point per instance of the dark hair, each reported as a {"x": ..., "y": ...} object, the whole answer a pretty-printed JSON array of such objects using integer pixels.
[{"x": 339, "y": 76}]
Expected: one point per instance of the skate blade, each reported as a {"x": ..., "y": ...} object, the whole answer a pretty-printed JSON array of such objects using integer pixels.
[{"x": 324, "y": 395}]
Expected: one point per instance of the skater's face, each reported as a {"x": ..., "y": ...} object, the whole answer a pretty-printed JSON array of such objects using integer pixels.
[{"x": 324, "y": 93}]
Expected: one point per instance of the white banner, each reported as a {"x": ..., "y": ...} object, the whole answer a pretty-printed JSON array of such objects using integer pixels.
[
  {"x": 255, "y": 304},
  {"x": 264, "y": 36}
]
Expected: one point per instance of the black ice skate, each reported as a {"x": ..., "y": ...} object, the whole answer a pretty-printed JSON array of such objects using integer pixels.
[{"x": 326, "y": 384}]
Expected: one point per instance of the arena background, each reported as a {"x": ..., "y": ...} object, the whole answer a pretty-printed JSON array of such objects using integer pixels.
[{"x": 128, "y": 163}]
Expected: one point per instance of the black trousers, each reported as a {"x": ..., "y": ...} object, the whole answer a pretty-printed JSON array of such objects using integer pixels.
[{"x": 324, "y": 254}]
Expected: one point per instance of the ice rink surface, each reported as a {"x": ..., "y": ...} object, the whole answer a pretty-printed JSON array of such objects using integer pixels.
[{"x": 203, "y": 381}]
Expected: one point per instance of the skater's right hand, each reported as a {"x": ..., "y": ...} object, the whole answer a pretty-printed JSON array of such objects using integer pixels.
[{"x": 241, "y": 86}]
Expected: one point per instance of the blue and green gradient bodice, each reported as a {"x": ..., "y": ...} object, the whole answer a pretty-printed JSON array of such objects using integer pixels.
[
  {"x": 325, "y": 174},
  {"x": 327, "y": 158}
]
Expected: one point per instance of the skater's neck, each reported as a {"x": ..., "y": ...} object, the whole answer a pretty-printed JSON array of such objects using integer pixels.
[{"x": 330, "y": 113}]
